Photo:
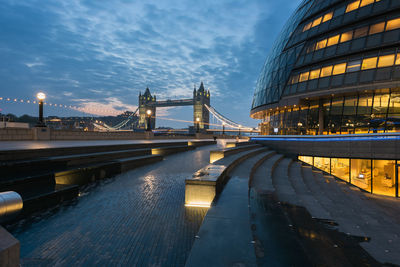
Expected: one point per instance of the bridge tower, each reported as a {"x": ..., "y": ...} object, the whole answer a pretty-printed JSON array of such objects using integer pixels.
[
  {"x": 147, "y": 102},
  {"x": 201, "y": 115}
]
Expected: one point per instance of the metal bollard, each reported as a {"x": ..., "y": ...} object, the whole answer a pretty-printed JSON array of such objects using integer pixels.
[{"x": 10, "y": 205}]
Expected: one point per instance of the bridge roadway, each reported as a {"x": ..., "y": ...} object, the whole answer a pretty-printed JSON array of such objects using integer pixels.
[{"x": 135, "y": 219}]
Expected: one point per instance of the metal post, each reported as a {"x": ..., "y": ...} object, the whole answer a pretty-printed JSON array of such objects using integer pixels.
[{"x": 41, "y": 112}]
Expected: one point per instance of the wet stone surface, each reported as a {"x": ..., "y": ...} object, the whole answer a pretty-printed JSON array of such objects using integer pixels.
[{"x": 134, "y": 219}]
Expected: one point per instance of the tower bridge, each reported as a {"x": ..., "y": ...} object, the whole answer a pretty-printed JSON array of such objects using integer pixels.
[{"x": 200, "y": 101}]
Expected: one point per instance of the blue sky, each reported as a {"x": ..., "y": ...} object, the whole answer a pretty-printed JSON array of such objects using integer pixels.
[{"x": 98, "y": 55}]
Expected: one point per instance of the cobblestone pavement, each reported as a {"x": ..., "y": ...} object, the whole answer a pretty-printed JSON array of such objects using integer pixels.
[{"x": 135, "y": 219}]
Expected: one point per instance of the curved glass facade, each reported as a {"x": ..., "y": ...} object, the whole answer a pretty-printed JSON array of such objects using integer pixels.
[{"x": 334, "y": 69}]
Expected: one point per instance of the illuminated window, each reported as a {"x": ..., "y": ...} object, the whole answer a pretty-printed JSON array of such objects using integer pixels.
[
  {"x": 361, "y": 32},
  {"x": 333, "y": 40},
  {"x": 352, "y": 6},
  {"x": 322, "y": 163},
  {"x": 361, "y": 173},
  {"x": 347, "y": 36},
  {"x": 316, "y": 22},
  {"x": 377, "y": 28},
  {"x": 369, "y": 63},
  {"x": 304, "y": 76},
  {"x": 340, "y": 168},
  {"x": 307, "y": 27},
  {"x": 295, "y": 79},
  {"x": 393, "y": 24},
  {"x": 366, "y": 2},
  {"x": 386, "y": 61},
  {"x": 314, "y": 74},
  {"x": 306, "y": 159},
  {"x": 384, "y": 177},
  {"x": 321, "y": 44},
  {"x": 354, "y": 66},
  {"x": 326, "y": 71},
  {"x": 339, "y": 69},
  {"x": 397, "y": 59},
  {"x": 327, "y": 17}
]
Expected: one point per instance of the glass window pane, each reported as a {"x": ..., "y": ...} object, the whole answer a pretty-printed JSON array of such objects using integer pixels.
[
  {"x": 321, "y": 44},
  {"x": 352, "y": 6},
  {"x": 369, "y": 63},
  {"x": 306, "y": 159},
  {"x": 361, "y": 173},
  {"x": 397, "y": 59},
  {"x": 316, "y": 22},
  {"x": 326, "y": 71},
  {"x": 335, "y": 115},
  {"x": 347, "y": 36},
  {"x": 340, "y": 168},
  {"x": 386, "y": 61},
  {"x": 361, "y": 32},
  {"x": 322, "y": 164},
  {"x": 377, "y": 28},
  {"x": 339, "y": 69},
  {"x": 310, "y": 48},
  {"x": 327, "y": 17},
  {"x": 364, "y": 110},
  {"x": 384, "y": 177},
  {"x": 378, "y": 116},
  {"x": 333, "y": 40},
  {"x": 304, "y": 76},
  {"x": 393, "y": 118},
  {"x": 349, "y": 115},
  {"x": 307, "y": 27},
  {"x": 354, "y": 66},
  {"x": 314, "y": 74},
  {"x": 295, "y": 79},
  {"x": 366, "y": 2},
  {"x": 393, "y": 24}
]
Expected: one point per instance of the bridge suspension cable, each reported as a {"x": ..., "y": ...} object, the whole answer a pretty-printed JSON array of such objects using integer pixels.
[{"x": 225, "y": 121}]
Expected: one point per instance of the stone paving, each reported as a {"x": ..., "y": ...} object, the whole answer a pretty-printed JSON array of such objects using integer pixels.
[{"x": 135, "y": 219}]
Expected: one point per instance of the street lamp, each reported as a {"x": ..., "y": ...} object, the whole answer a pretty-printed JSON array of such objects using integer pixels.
[
  {"x": 41, "y": 96},
  {"x": 197, "y": 124},
  {"x": 148, "y": 112}
]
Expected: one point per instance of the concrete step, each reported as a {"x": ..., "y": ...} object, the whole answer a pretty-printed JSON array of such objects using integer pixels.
[
  {"x": 168, "y": 150},
  {"x": 304, "y": 194},
  {"x": 135, "y": 162},
  {"x": 26, "y": 154},
  {"x": 216, "y": 155},
  {"x": 36, "y": 199},
  {"x": 225, "y": 236},
  {"x": 262, "y": 178},
  {"x": 280, "y": 179},
  {"x": 14, "y": 169}
]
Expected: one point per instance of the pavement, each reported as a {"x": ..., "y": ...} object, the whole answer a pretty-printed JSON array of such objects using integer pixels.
[{"x": 134, "y": 219}]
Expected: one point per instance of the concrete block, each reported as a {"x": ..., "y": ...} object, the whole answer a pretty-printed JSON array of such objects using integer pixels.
[{"x": 9, "y": 249}]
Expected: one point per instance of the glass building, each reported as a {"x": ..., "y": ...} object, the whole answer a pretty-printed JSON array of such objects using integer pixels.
[{"x": 335, "y": 69}]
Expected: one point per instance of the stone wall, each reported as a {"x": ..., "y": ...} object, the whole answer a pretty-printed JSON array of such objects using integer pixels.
[
  {"x": 369, "y": 146},
  {"x": 8, "y": 134}
]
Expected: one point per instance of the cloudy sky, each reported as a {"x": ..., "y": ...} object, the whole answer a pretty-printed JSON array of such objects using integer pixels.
[{"x": 98, "y": 55}]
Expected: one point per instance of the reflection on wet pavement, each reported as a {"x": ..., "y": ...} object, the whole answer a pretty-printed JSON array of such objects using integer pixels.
[{"x": 135, "y": 219}]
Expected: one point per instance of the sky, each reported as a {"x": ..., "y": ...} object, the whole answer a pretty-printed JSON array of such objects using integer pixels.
[{"x": 96, "y": 56}]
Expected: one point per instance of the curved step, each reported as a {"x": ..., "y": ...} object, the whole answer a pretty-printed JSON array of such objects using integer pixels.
[
  {"x": 304, "y": 194},
  {"x": 225, "y": 235},
  {"x": 262, "y": 178},
  {"x": 280, "y": 179}
]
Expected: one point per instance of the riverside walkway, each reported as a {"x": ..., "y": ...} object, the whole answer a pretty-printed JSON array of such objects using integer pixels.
[{"x": 137, "y": 218}]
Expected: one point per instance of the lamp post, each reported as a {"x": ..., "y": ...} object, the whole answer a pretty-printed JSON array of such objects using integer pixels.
[
  {"x": 40, "y": 96},
  {"x": 197, "y": 124},
  {"x": 148, "y": 112}
]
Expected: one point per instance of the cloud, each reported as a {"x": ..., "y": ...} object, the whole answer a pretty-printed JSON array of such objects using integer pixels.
[{"x": 105, "y": 52}]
